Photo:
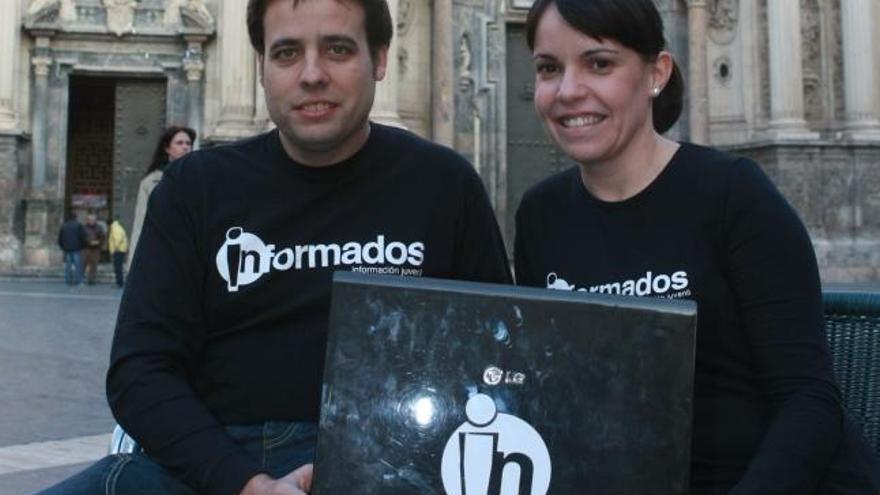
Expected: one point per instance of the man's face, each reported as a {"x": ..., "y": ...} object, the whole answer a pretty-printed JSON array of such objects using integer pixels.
[{"x": 319, "y": 77}]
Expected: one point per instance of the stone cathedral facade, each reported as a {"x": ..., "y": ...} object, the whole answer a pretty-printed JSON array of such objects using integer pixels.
[{"x": 86, "y": 87}]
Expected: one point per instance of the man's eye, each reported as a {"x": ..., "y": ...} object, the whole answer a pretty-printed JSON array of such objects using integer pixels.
[
  {"x": 284, "y": 53},
  {"x": 339, "y": 50}
]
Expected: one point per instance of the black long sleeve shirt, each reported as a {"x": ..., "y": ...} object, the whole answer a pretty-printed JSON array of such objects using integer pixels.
[
  {"x": 711, "y": 228},
  {"x": 224, "y": 317}
]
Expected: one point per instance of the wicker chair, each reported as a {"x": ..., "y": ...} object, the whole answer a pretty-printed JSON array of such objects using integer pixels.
[{"x": 852, "y": 322}]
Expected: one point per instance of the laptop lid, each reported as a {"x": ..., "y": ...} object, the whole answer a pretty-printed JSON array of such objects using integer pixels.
[{"x": 437, "y": 386}]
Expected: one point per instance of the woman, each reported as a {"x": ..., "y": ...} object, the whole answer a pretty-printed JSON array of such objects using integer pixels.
[
  {"x": 174, "y": 143},
  {"x": 699, "y": 224}
]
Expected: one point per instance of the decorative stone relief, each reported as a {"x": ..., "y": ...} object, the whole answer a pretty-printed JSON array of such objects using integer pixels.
[
  {"x": 763, "y": 63},
  {"x": 836, "y": 47},
  {"x": 405, "y": 13},
  {"x": 811, "y": 53},
  {"x": 465, "y": 77},
  {"x": 723, "y": 20},
  {"x": 41, "y": 65},
  {"x": 722, "y": 70},
  {"x": 402, "y": 60},
  {"x": 120, "y": 16},
  {"x": 63, "y": 9}
]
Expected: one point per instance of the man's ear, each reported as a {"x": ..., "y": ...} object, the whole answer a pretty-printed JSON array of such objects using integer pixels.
[{"x": 380, "y": 63}]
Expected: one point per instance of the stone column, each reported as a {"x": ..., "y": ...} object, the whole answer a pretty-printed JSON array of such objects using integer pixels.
[
  {"x": 194, "y": 67},
  {"x": 261, "y": 114},
  {"x": 237, "y": 69},
  {"x": 786, "y": 73},
  {"x": 9, "y": 42},
  {"x": 698, "y": 71},
  {"x": 860, "y": 69},
  {"x": 42, "y": 62},
  {"x": 385, "y": 105},
  {"x": 443, "y": 96}
]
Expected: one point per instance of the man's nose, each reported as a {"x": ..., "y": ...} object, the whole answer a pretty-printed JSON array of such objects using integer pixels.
[{"x": 313, "y": 73}]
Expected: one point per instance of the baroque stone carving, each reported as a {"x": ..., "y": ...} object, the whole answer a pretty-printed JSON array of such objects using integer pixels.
[
  {"x": 811, "y": 50},
  {"x": 723, "y": 20},
  {"x": 405, "y": 13},
  {"x": 194, "y": 11},
  {"x": 48, "y": 10},
  {"x": 120, "y": 16},
  {"x": 465, "y": 77}
]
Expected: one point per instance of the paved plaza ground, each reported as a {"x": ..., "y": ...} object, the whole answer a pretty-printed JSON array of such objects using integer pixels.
[{"x": 54, "y": 352}]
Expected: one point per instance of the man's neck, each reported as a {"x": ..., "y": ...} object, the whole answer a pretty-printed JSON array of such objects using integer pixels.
[{"x": 325, "y": 158}]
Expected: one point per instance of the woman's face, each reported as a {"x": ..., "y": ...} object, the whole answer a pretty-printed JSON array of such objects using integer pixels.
[
  {"x": 592, "y": 96},
  {"x": 180, "y": 145}
]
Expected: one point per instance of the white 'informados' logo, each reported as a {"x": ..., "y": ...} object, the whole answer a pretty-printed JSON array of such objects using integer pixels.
[
  {"x": 494, "y": 454},
  {"x": 243, "y": 258}
]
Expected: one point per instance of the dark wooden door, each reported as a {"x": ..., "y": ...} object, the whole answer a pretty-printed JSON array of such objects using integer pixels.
[
  {"x": 138, "y": 123},
  {"x": 531, "y": 156},
  {"x": 89, "y": 173}
]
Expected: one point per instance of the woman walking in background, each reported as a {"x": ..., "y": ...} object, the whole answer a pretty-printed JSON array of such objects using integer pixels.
[
  {"x": 175, "y": 142},
  {"x": 699, "y": 224}
]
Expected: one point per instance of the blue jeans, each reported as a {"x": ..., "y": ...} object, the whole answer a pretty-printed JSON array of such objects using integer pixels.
[
  {"x": 73, "y": 267},
  {"x": 281, "y": 446}
]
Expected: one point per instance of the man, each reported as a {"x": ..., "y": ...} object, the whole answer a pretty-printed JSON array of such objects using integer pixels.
[
  {"x": 95, "y": 237},
  {"x": 71, "y": 240},
  {"x": 117, "y": 244},
  {"x": 218, "y": 354}
]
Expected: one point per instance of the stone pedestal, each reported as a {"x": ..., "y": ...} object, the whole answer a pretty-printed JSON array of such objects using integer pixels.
[
  {"x": 10, "y": 243},
  {"x": 833, "y": 187},
  {"x": 42, "y": 214}
]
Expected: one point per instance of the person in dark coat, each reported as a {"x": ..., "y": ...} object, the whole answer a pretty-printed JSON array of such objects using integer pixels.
[
  {"x": 95, "y": 237},
  {"x": 72, "y": 240}
]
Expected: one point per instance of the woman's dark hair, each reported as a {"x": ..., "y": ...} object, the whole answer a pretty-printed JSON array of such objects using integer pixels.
[
  {"x": 160, "y": 157},
  {"x": 377, "y": 23},
  {"x": 635, "y": 24}
]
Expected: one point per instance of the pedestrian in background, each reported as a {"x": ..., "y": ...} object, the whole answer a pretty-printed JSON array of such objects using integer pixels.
[
  {"x": 117, "y": 244},
  {"x": 175, "y": 142},
  {"x": 95, "y": 237},
  {"x": 72, "y": 240}
]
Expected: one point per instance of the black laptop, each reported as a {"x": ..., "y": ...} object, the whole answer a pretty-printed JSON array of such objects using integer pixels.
[{"x": 445, "y": 387}]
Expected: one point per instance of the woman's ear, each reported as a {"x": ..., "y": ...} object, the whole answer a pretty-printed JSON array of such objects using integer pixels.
[{"x": 661, "y": 70}]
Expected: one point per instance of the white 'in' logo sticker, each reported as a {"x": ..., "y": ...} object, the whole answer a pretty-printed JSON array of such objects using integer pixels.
[{"x": 494, "y": 454}]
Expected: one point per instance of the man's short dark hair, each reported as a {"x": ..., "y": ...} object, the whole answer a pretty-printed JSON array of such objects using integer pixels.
[{"x": 377, "y": 23}]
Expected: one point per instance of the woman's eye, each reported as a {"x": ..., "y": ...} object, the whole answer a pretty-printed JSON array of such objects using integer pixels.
[
  {"x": 546, "y": 68},
  {"x": 600, "y": 64}
]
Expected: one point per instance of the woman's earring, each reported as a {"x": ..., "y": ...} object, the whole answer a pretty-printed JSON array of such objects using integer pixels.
[{"x": 655, "y": 92}]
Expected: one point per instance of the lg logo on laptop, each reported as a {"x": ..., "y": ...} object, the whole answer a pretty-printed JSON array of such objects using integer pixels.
[{"x": 485, "y": 454}]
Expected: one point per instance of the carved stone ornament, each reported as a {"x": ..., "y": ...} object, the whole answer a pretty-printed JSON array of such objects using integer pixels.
[
  {"x": 49, "y": 11},
  {"x": 723, "y": 20},
  {"x": 120, "y": 16},
  {"x": 465, "y": 77},
  {"x": 184, "y": 12},
  {"x": 405, "y": 12}
]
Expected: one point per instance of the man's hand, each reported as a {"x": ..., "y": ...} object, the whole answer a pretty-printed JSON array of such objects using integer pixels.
[{"x": 299, "y": 482}]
